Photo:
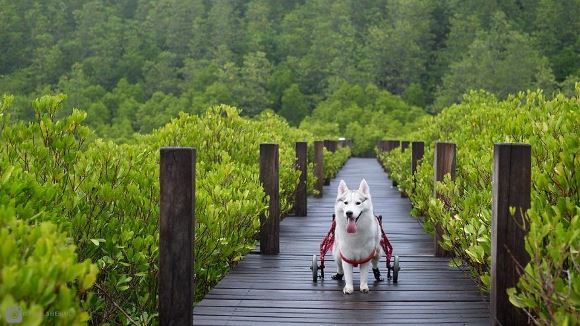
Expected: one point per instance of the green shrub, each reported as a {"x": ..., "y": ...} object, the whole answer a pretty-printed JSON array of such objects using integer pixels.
[
  {"x": 549, "y": 288},
  {"x": 106, "y": 195},
  {"x": 333, "y": 161},
  {"x": 41, "y": 280}
]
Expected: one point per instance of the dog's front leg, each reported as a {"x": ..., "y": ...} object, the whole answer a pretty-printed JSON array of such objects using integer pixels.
[
  {"x": 339, "y": 271},
  {"x": 348, "y": 288},
  {"x": 364, "y": 273}
]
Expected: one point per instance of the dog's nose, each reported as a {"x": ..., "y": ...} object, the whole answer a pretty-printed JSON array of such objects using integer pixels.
[{"x": 349, "y": 214}]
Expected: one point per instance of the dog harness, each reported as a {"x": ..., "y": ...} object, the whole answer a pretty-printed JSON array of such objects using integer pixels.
[{"x": 355, "y": 262}]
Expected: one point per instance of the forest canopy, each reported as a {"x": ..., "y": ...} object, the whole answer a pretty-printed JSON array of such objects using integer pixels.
[{"x": 135, "y": 64}]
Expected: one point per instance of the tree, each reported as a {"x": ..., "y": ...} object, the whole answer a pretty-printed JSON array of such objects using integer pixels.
[
  {"x": 398, "y": 47},
  {"x": 255, "y": 77},
  {"x": 502, "y": 61},
  {"x": 294, "y": 105},
  {"x": 557, "y": 25}
]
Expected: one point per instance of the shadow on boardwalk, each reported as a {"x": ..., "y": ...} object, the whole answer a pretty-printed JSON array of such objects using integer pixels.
[{"x": 274, "y": 290}]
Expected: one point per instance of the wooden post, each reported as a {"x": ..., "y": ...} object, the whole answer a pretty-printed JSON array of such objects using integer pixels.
[
  {"x": 404, "y": 145},
  {"x": 381, "y": 148},
  {"x": 394, "y": 144},
  {"x": 270, "y": 223},
  {"x": 176, "y": 235},
  {"x": 417, "y": 152},
  {"x": 319, "y": 166},
  {"x": 381, "y": 145},
  {"x": 511, "y": 188},
  {"x": 301, "y": 190},
  {"x": 330, "y": 145},
  {"x": 444, "y": 163}
]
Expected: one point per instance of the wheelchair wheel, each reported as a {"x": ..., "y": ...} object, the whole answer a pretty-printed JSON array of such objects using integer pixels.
[
  {"x": 314, "y": 268},
  {"x": 396, "y": 269}
]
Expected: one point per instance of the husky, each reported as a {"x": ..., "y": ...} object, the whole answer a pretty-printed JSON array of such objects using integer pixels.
[{"x": 357, "y": 236}]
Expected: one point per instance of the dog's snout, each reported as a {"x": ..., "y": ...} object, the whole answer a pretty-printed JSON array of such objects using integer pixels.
[{"x": 349, "y": 214}]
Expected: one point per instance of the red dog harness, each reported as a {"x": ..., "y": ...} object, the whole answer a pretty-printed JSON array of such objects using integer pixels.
[{"x": 355, "y": 263}]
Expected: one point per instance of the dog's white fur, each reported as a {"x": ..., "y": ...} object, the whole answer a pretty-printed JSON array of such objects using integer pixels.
[{"x": 359, "y": 245}]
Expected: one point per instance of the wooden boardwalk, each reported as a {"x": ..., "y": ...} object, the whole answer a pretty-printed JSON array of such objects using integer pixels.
[{"x": 278, "y": 290}]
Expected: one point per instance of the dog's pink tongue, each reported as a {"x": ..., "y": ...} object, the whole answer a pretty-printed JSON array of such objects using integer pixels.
[{"x": 350, "y": 226}]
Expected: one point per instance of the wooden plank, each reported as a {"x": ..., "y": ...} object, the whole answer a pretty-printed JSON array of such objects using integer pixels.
[
  {"x": 511, "y": 189},
  {"x": 176, "y": 221},
  {"x": 270, "y": 224},
  {"x": 276, "y": 303},
  {"x": 301, "y": 197}
]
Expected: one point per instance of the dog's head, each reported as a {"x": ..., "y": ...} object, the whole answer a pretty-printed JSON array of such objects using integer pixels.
[{"x": 352, "y": 204}]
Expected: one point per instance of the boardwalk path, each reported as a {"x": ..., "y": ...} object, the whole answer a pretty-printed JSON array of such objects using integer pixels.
[{"x": 273, "y": 290}]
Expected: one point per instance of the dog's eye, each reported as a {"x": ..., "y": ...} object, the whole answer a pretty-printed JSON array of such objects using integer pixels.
[
  {"x": 358, "y": 202},
  {"x": 346, "y": 203}
]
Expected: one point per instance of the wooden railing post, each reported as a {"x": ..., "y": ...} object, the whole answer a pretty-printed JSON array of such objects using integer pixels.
[
  {"x": 301, "y": 189},
  {"x": 381, "y": 144},
  {"x": 176, "y": 235},
  {"x": 393, "y": 145},
  {"x": 417, "y": 152},
  {"x": 404, "y": 146},
  {"x": 319, "y": 166},
  {"x": 270, "y": 222},
  {"x": 330, "y": 145},
  {"x": 444, "y": 163},
  {"x": 511, "y": 188}
]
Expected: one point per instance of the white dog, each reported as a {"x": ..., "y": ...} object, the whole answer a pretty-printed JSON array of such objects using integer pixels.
[{"x": 357, "y": 235}]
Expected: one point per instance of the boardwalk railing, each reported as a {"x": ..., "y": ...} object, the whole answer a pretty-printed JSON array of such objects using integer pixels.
[{"x": 511, "y": 198}]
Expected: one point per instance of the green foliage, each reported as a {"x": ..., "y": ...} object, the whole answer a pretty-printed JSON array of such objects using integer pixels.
[
  {"x": 294, "y": 105},
  {"x": 55, "y": 172},
  {"x": 250, "y": 54},
  {"x": 364, "y": 115},
  {"x": 333, "y": 161},
  {"x": 40, "y": 273},
  {"x": 42, "y": 280},
  {"x": 548, "y": 289},
  {"x": 502, "y": 61}
]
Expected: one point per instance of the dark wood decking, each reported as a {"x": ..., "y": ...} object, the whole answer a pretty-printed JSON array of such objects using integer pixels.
[{"x": 274, "y": 290}]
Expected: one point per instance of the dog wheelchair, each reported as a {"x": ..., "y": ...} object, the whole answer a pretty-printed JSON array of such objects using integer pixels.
[{"x": 328, "y": 242}]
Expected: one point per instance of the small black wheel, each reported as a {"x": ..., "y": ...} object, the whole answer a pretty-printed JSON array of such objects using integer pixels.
[
  {"x": 396, "y": 269},
  {"x": 314, "y": 268}
]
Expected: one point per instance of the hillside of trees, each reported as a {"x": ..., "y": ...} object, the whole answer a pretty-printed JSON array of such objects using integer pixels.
[{"x": 132, "y": 65}]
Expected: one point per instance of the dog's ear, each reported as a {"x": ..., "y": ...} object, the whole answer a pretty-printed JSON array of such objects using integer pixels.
[
  {"x": 342, "y": 188},
  {"x": 364, "y": 188}
]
